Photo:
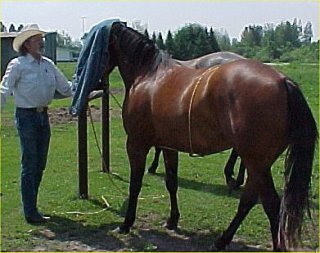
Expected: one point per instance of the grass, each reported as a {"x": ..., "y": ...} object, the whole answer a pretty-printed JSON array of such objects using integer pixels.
[{"x": 205, "y": 205}]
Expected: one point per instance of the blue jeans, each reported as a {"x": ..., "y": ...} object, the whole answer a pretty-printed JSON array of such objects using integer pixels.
[{"x": 34, "y": 131}]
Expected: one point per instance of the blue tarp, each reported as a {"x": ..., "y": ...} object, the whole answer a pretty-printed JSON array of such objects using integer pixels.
[{"x": 91, "y": 64}]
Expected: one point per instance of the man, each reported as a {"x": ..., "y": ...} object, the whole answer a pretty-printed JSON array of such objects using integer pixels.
[{"x": 32, "y": 80}]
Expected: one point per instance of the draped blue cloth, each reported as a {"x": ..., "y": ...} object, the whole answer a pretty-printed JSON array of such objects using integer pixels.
[{"x": 92, "y": 62}]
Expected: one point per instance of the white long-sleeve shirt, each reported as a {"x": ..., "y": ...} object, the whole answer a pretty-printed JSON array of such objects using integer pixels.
[{"x": 33, "y": 83}]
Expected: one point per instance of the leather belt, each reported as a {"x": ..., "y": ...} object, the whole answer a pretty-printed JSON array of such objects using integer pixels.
[{"x": 35, "y": 109}]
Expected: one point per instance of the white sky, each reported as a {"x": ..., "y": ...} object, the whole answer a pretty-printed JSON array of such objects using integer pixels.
[{"x": 160, "y": 16}]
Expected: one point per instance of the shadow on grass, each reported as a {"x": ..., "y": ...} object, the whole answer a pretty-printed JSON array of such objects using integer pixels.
[
  {"x": 219, "y": 190},
  {"x": 103, "y": 238}
]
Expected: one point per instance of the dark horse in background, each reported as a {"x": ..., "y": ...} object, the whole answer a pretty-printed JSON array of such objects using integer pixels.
[
  {"x": 244, "y": 105},
  {"x": 210, "y": 60}
]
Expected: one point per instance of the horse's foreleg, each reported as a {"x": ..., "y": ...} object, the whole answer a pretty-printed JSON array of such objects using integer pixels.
[
  {"x": 137, "y": 159},
  {"x": 247, "y": 201},
  {"x": 152, "y": 169},
  {"x": 228, "y": 170},
  {"x": 171, "y": 165}
]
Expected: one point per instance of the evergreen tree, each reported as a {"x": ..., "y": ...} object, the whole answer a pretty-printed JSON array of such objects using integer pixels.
[
  {"x": 154, "y": 37},
  {"x": 20, "y": 28},
  {"x": 192, "y": 41},
  {"x": 213, "y": 41},
  {"x": 12, "y": 28},
  {"x": 146, "y": 33},
  {"x": 169, "y": 44},
  {"x": 3, "y": 28},
  {"x": 160, "y": 42}
]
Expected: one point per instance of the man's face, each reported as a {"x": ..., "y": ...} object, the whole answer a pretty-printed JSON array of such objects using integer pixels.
[{"x": 35, "y": 45}]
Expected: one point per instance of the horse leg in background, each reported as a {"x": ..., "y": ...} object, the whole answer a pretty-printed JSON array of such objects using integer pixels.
[
  {"x": 247, "y": 201},
  {"x": 171, "y": 165},
  {"x": 137, "y": 158},
  {"x": 240, "y": 177},
  {"x": 229, "y": 171},
  {"x": 152, "y": 169}
]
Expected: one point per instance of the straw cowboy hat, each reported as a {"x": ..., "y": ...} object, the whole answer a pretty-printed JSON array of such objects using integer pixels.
[{"x": 26, "y": 32}]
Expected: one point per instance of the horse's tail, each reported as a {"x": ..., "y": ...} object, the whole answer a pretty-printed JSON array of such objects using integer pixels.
[{"x": 298, "y": 167}]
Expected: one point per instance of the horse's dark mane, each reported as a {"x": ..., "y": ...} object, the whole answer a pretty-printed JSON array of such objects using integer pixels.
[{"x": 141, "y": 52}]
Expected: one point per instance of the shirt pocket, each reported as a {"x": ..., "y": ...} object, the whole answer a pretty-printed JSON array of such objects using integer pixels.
[{"x": 31, "y": 77}]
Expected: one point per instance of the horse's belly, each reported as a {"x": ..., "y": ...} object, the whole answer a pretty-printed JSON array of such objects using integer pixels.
[{"x": 203, "y": 140}]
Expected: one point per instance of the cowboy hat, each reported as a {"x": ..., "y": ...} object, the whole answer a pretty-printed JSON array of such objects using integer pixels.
[{"x": 26, "y": 32}]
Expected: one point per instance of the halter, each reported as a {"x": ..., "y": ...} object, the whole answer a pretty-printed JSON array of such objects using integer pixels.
[{"x": 213, "y": 69}]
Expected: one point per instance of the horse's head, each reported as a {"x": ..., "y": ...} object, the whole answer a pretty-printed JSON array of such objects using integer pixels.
[{"x": 114, "y": 54}]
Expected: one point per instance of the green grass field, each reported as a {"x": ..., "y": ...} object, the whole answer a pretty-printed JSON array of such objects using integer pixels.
[{"x": 205, "y": 205}]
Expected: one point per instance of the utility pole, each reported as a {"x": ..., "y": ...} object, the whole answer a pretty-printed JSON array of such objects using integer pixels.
[{"x": 83, "y": 18}]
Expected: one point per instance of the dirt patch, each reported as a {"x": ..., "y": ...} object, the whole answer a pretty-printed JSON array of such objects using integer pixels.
[{"x": 62, "y": 116}]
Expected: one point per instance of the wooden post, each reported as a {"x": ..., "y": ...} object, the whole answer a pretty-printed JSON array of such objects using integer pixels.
[
  {"x": 83, "y": 153},
  {"x": 105, "y": 131}
]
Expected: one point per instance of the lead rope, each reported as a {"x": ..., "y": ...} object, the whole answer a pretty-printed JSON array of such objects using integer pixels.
[
  {"x": 103, "y": 162},
  {"x": 190, "y": 107},
  {"x": 100, "y": 153}
]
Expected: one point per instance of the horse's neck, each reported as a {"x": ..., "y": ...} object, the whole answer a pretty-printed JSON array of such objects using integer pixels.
[{"x": 133, "y": 75}]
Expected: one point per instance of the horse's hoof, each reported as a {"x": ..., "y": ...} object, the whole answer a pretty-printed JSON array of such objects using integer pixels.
[
  {"x": 220, "y": 244},
  {"x": 212, "y": 248},
  {"x": 123, "y": 229},
  {"x": 170, "y": 225}
]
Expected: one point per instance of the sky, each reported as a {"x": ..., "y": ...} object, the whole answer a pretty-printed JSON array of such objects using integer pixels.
[{"x": 74, "y": 17}]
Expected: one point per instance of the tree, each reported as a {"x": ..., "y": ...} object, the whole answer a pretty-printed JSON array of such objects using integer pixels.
[
  {"x": 287, "y": 35},
  {"x": 146, "y": 33},
  {"x": 159, "y": 42},
  {"x": 192, "y": 41},
  {"x": 20, "y": 27},
  {"x": 170, "y": 43},
  {"x": 252, "y": 35},
  {"x": 12, "y": 28},
  {"x": 3, "y": 28},
  {"x": 223, "y": 40},
  {"x": 307, "y": 33},
  {"x": 154, "y": 37},
  {"x": 213, "y": 41}
]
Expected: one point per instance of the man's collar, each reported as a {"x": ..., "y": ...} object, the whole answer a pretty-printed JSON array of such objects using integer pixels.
[{"x": 30, "y": 58}]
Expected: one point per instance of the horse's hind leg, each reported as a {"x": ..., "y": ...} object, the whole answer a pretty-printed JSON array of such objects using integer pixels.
[
  {"x": 271, "y": 205},
  {"x": 137, "y": 158},
  {"x": 152, "y": 169},
  {"x": 263, "y": 187},
  {"x": 171, "y": 165},
  {"x": 248, "y": 200}
]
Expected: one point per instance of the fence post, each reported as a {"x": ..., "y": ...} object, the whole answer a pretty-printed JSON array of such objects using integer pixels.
[
  {"x": 83, "y": 153},
  {"x": 105, "y": 130}
]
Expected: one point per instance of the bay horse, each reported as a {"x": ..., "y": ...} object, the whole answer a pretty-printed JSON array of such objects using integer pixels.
[
  {"x": 210, "y": 60},
  {"x": 244, "y": 104}
]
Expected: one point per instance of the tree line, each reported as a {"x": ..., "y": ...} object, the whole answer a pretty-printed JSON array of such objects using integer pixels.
[
  {"x": 284, "y": 42},
  {"x": 287, "y": 41}
]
